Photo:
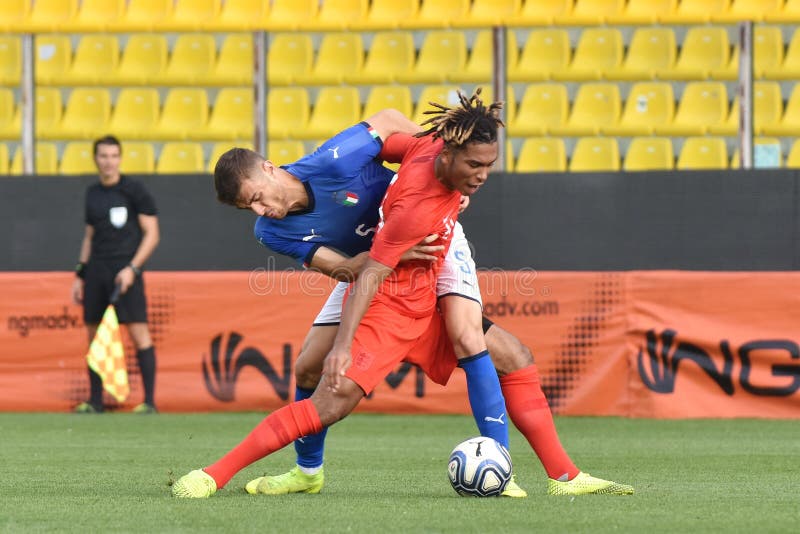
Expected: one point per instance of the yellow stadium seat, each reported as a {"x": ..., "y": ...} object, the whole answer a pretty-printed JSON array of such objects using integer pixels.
[
  {"x": 704, "y": 49},
  {"x": 135, "y": 114},
  {"x": 767, "y": 50},
  {"x": 45, "y": 159},
  {"x": 789, "y": 67},
  {"x": 192, "y": 60},
  {"x": 288, "y": 110},
  {"x": 758, "y": 143},
  {"x": 389, "y": 54},
  {"x": 789, "y": 124},
  {"x": 388, "y": 96},
  {"x": 480, "y": 63},
  {"x": 649, "y": 154},
  {"x": 438, "y": 14},
  {"x": 10, "y": 60},
  {"x": 231, "y": 117},
  {"x": 338, "y": 53},
  {"x": 651, "y": 51},
  {"x": 218, "y": 149},
  {"x": 143, "y": 15},
  {"x": 703, "y": 105},
  {"x": 49, "y": 110},
  {"x": 138, "y": 158},
  {"x": 337, "y": 15},
  {"x": 443, "y": 53},
  {"x": 86, "y": 115},
  {"x": 541, "y": 12},
  {"x": 387, "y": 14},
  {"x": 596, "y": 106},
  {"x": 542, "y": 154},
  {"x": 644, "y": 12},
  {"x": 144, "y": 59},
  {"x": 95, "y": 16},
  {"x": 53, "y": 58},
  {"x": 10, "y": 125},
  {"x": 95, "y": 61},
  {"x": 13, "y": 13},
  {"x": 180, "y": 158},
  {"x": 184, "y": 111},
  {"x": 703, "y": 153},
  {"x": 788, "y": 13},
  {"x": 335, "y": 109},
  {"x": 283, "y": 152},
  {"x": 240, "y": 15},
  {"x": 4, "y": 159},
  {"x": 767, "y": 110},
  {"x": 793, "y": 159},
  {"x": 441, "y": 94},
  {"x": 50, "y": 15},
  {"x": 234, "y": 65},
  {"x": 77, "y": 158},
  {"x": 545, "y": 52},
  {"x": 485, "y": 13},
  {"x": 543, "y": 107},
  {"x": 290, "y": 55},
  {"x": 592, "y": 12},
  {"x": 696, "y": 11},
  {"x": 599, "y": 50},
  {"x": 649, "y": 104},
  {"x": 191, "y": 15},
  {"x": 288, "y": 15},
  {"x": 754, "y": 10},
  {"x": 595, "y": 154}
]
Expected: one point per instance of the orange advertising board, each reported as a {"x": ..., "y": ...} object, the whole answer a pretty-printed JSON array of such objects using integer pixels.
[{"x": 664, "y": 344}]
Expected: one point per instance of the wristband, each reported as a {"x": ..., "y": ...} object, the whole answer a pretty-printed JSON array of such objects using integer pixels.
[
  {"x": 80, "y": 270},
  {"x": 137, "y": 271}
]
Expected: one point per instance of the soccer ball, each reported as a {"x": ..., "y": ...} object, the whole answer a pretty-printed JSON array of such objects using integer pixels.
[{"x": 479, "y": 467}]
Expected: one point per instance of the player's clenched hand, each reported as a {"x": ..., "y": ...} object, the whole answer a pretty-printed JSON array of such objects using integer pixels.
[
  {"x": 336, "y": 363},
  {"x": 423, "y": 250},
  {"x": 463, "y": 204}
]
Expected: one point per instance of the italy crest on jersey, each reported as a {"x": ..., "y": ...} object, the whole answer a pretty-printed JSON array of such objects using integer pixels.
[{"x": 346, "y": 198}]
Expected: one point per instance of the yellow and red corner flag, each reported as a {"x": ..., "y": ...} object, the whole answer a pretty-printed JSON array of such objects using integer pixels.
[{"x": 106, "y": 355}]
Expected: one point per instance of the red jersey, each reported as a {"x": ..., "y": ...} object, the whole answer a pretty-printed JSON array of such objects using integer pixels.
[{"x": 416, "y": 205}]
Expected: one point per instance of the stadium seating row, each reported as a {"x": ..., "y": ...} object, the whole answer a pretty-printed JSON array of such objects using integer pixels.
[
  {"x": 545, "y": 109},
  {"x": 536, "y": 154},
  {"x": 217, "y": 15},
  {"x": 145, "y": 59}
]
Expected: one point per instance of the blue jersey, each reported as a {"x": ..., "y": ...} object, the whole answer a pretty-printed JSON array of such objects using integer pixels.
[{"x": 345, "y": 182}]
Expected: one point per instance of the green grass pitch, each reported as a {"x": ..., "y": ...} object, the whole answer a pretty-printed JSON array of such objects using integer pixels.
[{"x": 110, "y": 473}]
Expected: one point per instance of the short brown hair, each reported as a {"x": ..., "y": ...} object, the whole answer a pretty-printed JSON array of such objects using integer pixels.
[
  {"x": 233, "y": 167},
  {"x": 107, "y": 140}
]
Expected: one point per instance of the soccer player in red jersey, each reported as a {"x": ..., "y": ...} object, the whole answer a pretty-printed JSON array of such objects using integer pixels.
[{"x": 391, "y": 311}]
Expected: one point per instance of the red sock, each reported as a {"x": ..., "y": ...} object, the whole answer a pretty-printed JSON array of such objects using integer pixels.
[
  {"x": 528, "y": 409},
  {"x": 277, "y": 430}
]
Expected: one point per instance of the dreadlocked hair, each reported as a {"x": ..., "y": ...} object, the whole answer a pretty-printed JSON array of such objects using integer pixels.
[{"x": 469, "y": 122}]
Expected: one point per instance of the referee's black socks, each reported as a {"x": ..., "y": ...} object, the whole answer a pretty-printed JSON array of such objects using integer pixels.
[{"x": 147, "y": 366}]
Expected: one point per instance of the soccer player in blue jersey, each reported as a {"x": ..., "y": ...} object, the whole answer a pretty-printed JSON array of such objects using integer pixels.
[{"x": 322, "y": 211}]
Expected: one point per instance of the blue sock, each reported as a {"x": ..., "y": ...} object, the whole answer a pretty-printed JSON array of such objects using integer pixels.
[
  {"x": 309, "y": 448},
  {"x": 485, "y": 396}
]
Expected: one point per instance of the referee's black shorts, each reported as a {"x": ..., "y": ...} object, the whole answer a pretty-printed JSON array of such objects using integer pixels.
[{"x": 98, "y": 286}]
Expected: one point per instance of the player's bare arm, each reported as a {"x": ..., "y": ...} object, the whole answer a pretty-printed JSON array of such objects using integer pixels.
[
  {"x": 363, "y": 291},
  {"x": 150, "y": 239},
  {"x": 83, "y": 257},
  {"x": 391, "y": 121},
  {"x": 346, "y": 269}
]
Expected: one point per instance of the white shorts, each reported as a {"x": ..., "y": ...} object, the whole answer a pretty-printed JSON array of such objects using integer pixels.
[{"x": 457, "y": 277}]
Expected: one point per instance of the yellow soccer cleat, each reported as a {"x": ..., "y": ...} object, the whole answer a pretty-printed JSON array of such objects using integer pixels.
[
  {"x": 513, "y": 489},
  {"x": 196, "y": 485},
  {"x": 295, "y": 481},
  {"x": 145, "y": 409},
  {"x": 85, "y": 407},
  {"x": 586, "y": 484}
]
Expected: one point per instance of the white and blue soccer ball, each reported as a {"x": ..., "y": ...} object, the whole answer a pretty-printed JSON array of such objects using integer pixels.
[{"x": 479, "y": 467}]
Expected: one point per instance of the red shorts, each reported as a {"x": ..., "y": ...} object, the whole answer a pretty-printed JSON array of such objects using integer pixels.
[{"x": 385, "y": 338}]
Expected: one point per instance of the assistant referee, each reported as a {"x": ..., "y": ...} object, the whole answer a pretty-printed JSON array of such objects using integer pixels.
[{"x": 121, "y": 234}]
